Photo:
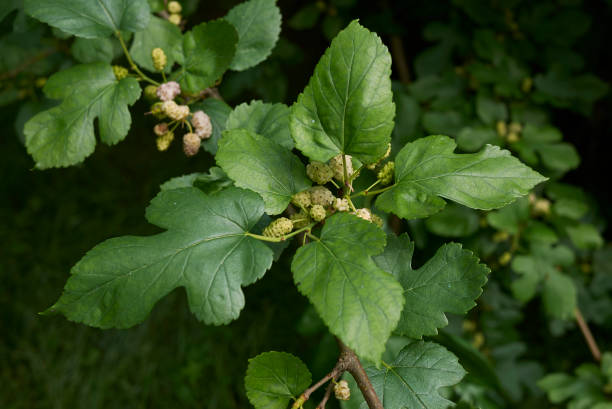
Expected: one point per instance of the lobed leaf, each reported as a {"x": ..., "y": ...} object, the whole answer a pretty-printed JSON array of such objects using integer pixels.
[
  {"x": 359, "y": 302},
  {"x": 427, "y": 170},
  {"x": 205, "y": 249},
  {"x": 347, "y": 106},
  {"x": 64, "y": 135},
  {"x": 269, "y": 120}
]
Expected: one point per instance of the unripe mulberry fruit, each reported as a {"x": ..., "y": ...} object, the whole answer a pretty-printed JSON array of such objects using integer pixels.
[
  {"x": 320, "y": 195},
  {"x": 364, "y": 214},
  {"x": 342, "y": 390},
  {"x": 341, "y": 205},
  {"x": 150, "y": 92},
  {"x": 526, "y": 84},
  {"x": 168, "y": 91},
  {"x": 505, "y": 258},
  {"x": 513, "y": 137},
  {"x": 120, "y": 72},
  {"x": 164, "y": 141},
  {"x": 502, "y": 129},
  {"x": 174, "y": 7},
  {"x": 175, "y": 111},
  {"x": 515, "y": 127},
  {"x": 278, "y": 227},
  {"x": 302, "y": 199},
  {"x": 191, "y": 144},
  {"x": 385, "y": 175},
  {"x": 159, "y": 59},
  {"x": 300, "y": 219},
  {"x": 157, "y": 110},
  {"x": 337, "y": 167},
  {"x": 377, "y": 220},
  {"x": 160, "y": 129},
  {"x": 319, "y": 172},
  {"x": 202, "y": 124},
  {"x": 175, "y": 19},
  {"x": 317, "y": 212},
  {"x": 541, "y": 207}
]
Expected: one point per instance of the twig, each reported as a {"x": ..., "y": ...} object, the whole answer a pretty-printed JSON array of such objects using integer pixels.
[
  {"x": 330, "y": 388},
  {"x": 588, "y": 336},
  {"x": 347, "y": 362}
]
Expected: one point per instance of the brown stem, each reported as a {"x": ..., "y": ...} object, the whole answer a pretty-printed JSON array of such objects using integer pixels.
[
  {"x": 588, "y": 336},
  {"x": 399, "y": 58},
  {"x": 349, "y": 362},
  {"x": 328, "y": 392}
]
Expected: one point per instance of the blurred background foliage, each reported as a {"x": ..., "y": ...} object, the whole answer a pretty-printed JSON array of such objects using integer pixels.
[{"x": 461, "y": 60}]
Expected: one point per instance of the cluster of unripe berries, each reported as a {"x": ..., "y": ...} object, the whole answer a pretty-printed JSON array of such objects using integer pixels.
[
  {"x": 316, "y": 203},
  {"x": 199, "y": 125},
  {"x": 510, "y": 131}
]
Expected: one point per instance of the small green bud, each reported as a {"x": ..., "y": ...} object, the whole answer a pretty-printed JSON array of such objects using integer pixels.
[
  {"x": 385, "y": 175},
  {"x": 320, "y": 195},
  {"x": 120, "y": 72},
  {"x": 159, "y": 59},
  {"x": 302, "y": 199},
  {"x": 318, "y": 213},
  {"x": 319, "y": 172},
  {"x": 150, "y": 92},
  {"x": 278, "y": 227}
]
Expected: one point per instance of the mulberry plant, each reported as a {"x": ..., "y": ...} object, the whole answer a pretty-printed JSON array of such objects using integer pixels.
[{"x": 318, "y": 178}]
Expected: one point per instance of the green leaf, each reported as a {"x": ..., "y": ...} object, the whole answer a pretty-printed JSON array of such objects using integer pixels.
[
  {"x": 585, "y": 236},
  {"x": 89, "y": 50},
  {"x": 489, "y": 110},
  {"x": 218, "y": 111},
  {"x": 541, "y": 266},
  {"x": 269, "y": 120},
  {"x": 427, "y": 168},
  {"x": 413, "y": 379},
  {"x": 449, "y": 282},
  {"x": 64, "y": 135},
  {"x": 347, "y": 106},
  {"x": 472, "y": 139},
  {"x": 359, "y": 302},
  {"x": 212, "y": 182},
  {"x": 453, "y": 221},
  {"x": 511, "y": 217},
  {"x": 258, "y": 23},
  {"x": 274, "y": 378},
  {"x": 205, "y": 249},
  {"x": 208, "y": 50},
  {"x": 261, "y": 165},
  {"x": 91, "y": 19},
  {"x": 159, "y": 33}
]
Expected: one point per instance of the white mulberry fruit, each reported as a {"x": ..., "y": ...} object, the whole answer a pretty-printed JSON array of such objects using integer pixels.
[
  {"x": 318, "y": 213},
  {"x": 191, "y": 144},
  {"x": 385, "y": 175},
  {"x": 300, "y": 219},
  {"x": 160, "y": 129},
  {"x": 120, "y": 72},
  {"x": 319, "y": 172},
  {"x": 320, "y": 195},
  {"x": 342, "y": 390},
  {"x": 302, "y": 199},
  {"x": 278, "y": 227},
  {"x": 175, "y": 111},
  {"x": 164, "y": 141},
  {"x": 364, "y": 214},
  {"x": 168, "y": 91},
  {"x": 337, "y": 167},
  {"x": 159, "y": 59},
  {"x": 202, "y": 124},
  {"x": 341, "y": 205},
  {"x": 174, "y": 7}
]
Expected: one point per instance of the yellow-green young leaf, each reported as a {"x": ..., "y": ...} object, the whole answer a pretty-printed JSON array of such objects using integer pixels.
[
  {"x": 205, "y": 249},
  {"x": 159, "y": 33},
  {"x": 64, "y": 135},
  {"x": 414, "y": 378},
  {"x": 274, "y": 378},
  {"x": 258, "y": 23},
  {"x": 269, "y": 120},
  {"x": 259, "y": 164},
  {"x": 208, "y": 50},
  {"x": 347, "y": 106},
  {"x": 89, "y": 18},
  {"x": 359, "y": 302},
  {"x": 449, "y": 282},
  {"x": 427, "y": 170}
]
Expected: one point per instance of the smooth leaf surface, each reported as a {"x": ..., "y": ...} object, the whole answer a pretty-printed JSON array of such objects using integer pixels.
[
  {"x": 89, "y": 18},
  {"x": 347, "y": 106},
  {"x": 413, "y": 379},
  {"x": 64, "y": 135},
  {"x": 427, "y": 170},
  {"x": 449, "y": 282},
  {"x": 274, "y": 378},
  {"x": 204, "y": 249},
  {"x": 208, "y": 50},
  {"x": 258, "y": 23},
  {"x": 261, "y": 165},
  {"x": 359, "y": 302},
  {"x": 269, "y": 120},
  {"x": 158, "y": 33}
]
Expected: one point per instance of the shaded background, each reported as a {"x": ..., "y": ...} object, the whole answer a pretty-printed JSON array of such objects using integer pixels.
[{"x": 49, "y": 219}]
